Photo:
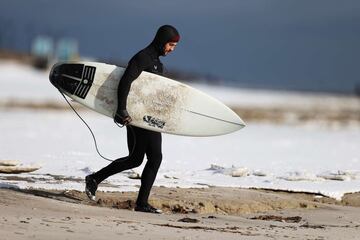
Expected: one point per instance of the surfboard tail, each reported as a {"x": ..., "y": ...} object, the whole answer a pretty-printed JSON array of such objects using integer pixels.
[
  {"x": 74, "y": 79},
  {"x": 54, "y": 75}
]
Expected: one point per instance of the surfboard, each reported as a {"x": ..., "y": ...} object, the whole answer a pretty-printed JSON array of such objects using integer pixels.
[{"x": 154, "y": 102}]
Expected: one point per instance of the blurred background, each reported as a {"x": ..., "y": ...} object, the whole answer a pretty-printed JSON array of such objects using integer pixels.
[
  {"x": 291, "y": 47},
  {"x": 280, "y": 44}
]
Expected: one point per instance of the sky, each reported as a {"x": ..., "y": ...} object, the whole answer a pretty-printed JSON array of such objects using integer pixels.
[{"x": 308, "y": 45}]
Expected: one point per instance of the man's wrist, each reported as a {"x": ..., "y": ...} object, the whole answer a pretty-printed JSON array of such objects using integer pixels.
[{"x": 122, "y": 113}]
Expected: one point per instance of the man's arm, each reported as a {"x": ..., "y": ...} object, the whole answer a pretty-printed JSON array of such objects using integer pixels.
[{"x": 136, "y": 65}]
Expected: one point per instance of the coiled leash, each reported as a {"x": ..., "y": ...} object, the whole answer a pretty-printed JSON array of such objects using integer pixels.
[{"x": 93, "y": 136}]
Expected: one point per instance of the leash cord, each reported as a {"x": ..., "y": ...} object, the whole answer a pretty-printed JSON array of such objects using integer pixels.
[{"x": 93, "y": 135}]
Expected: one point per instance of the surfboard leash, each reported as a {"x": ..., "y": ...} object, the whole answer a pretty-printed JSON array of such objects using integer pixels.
[{"x": 93, "y": 135}]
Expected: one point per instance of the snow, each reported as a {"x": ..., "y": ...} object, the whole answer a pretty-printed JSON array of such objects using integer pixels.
[{"x": 307, "y": 158}]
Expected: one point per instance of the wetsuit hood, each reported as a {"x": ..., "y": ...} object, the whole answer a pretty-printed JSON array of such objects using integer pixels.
[{"x": 165, "y": 34}]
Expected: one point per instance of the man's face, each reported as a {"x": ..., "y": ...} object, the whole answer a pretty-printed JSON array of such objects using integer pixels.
[{"x": 169, "y": 47}]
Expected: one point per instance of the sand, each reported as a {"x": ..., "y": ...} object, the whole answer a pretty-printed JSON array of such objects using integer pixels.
[{"x": 212, "y": 213}]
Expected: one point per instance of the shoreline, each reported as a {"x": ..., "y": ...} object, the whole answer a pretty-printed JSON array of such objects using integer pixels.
[
  {"x": 216, "y": 200},
  {"x": 211, "y": 200}
]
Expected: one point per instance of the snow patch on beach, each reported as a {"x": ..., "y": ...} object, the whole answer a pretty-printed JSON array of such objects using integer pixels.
[
  {"x": 317, "y": 160},
  {"x": 306, "y": 158}
]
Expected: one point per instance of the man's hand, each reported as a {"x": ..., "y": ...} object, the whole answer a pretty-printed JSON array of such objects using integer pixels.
[{"x": 122, "y": 117}]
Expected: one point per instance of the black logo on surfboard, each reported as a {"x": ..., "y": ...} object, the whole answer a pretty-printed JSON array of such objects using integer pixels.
[
  {"x": 154, "y": 122},
  {"x": 86, "y": 82},
  {"x": 73, "y": 78}
]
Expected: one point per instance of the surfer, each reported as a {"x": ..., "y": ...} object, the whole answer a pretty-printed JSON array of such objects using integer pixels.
[{"x": 140, "y": 141}]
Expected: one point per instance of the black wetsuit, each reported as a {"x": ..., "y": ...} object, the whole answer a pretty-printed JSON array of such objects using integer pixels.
[{"x": 146, "y": 141}]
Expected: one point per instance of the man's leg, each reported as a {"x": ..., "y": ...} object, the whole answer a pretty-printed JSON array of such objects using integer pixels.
[
  {"x": 154, "y": 155},
  {"x": 137, "y": 142}
]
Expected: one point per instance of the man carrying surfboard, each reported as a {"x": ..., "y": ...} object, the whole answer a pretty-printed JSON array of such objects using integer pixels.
[{"x": 141, "y": 142}]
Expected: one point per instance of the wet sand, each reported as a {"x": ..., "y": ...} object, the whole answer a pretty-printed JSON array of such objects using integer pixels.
[{"x": 211, "y": 213}]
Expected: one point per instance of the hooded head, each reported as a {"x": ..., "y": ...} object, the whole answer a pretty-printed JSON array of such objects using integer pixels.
[{"x": 165, "y": 34}]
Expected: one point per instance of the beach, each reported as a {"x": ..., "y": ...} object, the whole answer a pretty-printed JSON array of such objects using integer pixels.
[
  {"x": 287, "y": 167},
  {"x": 292, "y": 173},
  {"x": 253, "y": 214}
]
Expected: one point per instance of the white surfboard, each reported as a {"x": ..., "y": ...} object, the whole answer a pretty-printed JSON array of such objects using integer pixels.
[{"x": 154, "y": 102}]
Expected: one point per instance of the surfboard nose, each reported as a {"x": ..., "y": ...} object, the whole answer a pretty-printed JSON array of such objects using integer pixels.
[
  {"x": 234, "y": 121},
  {"x": 241, "y": 123}
]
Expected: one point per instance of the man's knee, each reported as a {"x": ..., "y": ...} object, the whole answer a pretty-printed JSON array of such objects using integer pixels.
[
  {"x": 155, "y": 159},
  {"x": 137, "y": 161}
]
